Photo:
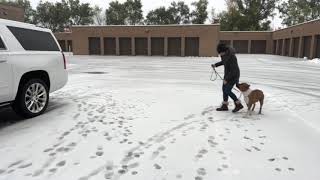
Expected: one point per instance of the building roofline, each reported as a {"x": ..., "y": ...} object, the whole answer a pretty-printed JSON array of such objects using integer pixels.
[
  {"x": 12, "y": 5},
  {"x": 67, "y": 32},
  {"x": 166, "y": 25},
  {"x": 314, "y": 20},
  {"x": 247, "y": 31}
]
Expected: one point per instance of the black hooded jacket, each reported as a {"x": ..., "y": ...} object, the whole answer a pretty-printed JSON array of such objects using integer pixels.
[{"x": 231, "y": 67}]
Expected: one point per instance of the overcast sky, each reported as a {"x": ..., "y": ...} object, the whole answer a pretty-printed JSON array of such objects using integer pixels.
[{"x": 218, "y": 5}]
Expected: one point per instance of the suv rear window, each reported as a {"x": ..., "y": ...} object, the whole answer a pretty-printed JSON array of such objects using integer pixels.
[
  {"x": 2, "y": 46},
  {"x": 33, "y": 40}
]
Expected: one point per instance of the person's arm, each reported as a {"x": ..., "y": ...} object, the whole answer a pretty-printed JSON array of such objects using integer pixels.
[{"x": 217, "y": 64}]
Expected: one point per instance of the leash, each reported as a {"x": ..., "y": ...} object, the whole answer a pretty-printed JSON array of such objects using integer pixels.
[{"x": 214, "y": 71}]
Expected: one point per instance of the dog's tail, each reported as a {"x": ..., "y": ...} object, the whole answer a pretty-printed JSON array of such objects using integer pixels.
[{"x": 261, "y": 104}]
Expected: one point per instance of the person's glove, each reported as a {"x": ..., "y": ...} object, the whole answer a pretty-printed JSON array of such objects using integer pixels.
[{"x": 213, "y": 66}]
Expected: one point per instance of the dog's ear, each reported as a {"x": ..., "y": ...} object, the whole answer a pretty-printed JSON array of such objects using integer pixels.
[{"x": 247, "y": 86}]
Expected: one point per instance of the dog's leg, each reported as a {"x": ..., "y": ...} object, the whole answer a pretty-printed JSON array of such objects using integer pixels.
[
  {"x": 249, "y": 109},
  {"x": 254, "y": 106},
  {"x": 261, "y": 104}
]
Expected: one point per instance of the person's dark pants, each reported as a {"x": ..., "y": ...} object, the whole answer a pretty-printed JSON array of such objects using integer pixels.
[{"x": 227, "y": 92}]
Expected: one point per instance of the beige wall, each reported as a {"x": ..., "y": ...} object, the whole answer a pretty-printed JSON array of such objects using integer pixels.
[
  {"x": 247, "y": 35},
  {"x": 11, "y": 13},
  {"x": 311, "y": 28},
  {"x": 305, "y": 29},
  {"x": 208, "y": 35}
]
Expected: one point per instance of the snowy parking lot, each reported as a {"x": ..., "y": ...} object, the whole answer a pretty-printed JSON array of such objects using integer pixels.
[{"x": 154, "y": 118}]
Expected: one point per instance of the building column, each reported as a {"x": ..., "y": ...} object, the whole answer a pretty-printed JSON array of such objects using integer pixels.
[
  {"x": 277, "y": 46},
  {"x": 149, "y": 46},
  {"x": 249, "y": 47},
  {"x": 66, "y": 46},
  {"x": 313, "y": 47},
  {"x": 300, "y": 47},
  {"x": 117, "y": 46},
  {"x": 101, "y": 46},
  {"x": 231, "y": 43},
  {"x": 133, "y": 46},
  {"x": 291, "y": 47},
  {"x": 283, "y": 47},
  {"x": 166, "y": 46},
  {"x": 183, "y": 44}
]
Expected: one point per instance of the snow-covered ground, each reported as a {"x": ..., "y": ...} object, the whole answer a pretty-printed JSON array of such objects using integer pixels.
[{"x": 154, "y": 118}]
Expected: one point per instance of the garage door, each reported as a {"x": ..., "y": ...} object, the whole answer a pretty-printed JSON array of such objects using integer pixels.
[
  {"x": 141, "y": 46},
  {"x": 295, "y": 47},
  {"x": 109, "y": 46},
  {"x": 174, "y": 46},
  {"x": 94, "y": 46},
  {"x": 258, "y": 46},
  {"x": 287, "y": 47},
  {"x": 125, "y": 46},
  {"x": 280, "y": 42},
  {"x": 192, "y": 46},
  {"x": 227, "y": 42},
  {"x": 318, "y": 47},
  {"x": 157, "y": 46},
  {"x": 241, "y": 46},
  {"x": 274, "y": 46},
  {"x": 306, "y": 46},
  {"x": 62, "y": 45}
]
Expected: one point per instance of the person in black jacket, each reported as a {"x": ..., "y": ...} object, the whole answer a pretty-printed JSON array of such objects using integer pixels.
[{"x": 231, "y": 76}]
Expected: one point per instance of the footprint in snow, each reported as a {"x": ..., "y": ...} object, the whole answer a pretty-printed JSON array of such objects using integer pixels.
[
  {"x": 178, "y": 176},
  {"x": 201, "y": 172},
  {"x": 15, "y": 163},
  {"x": 25, "y": 166},
  {"x": 10, "y": 171},
  {"x": 53, "y": 170},
  {"x": 157, "y": 166},
  {"x": 47, "y": 150},
  {"x": 61, "y": 163},
  {"x": 99, "y": 153}
]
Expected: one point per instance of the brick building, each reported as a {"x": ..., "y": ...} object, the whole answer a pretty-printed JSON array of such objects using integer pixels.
[
  {"x": 11, "y": 13},
  {"x": 302, "y": 40}
]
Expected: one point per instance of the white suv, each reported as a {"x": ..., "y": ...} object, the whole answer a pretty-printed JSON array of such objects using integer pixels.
[{"x": 31, "y": 65}]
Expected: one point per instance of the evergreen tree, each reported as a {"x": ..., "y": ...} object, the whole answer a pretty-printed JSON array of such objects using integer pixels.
[
  {"x": 200, "y": 14},
  {"x": 298, "y": 11},
  {"x": 159, "y": 16},
  {"x": 134, "y": 12},
  {"x": 80, "y": 13},
  {"x": 180, "y": 12},
  {"x": 247, "y": 15},
  {"x": 116, "y": 14}
]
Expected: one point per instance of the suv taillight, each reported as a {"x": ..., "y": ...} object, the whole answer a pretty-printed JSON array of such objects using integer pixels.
[{"x": 64, "y": 61}]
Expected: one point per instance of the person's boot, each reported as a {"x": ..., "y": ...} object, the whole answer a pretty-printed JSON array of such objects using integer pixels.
[
  {"x": 238, "y": 106},
  {"x": 224, "y": 107}
]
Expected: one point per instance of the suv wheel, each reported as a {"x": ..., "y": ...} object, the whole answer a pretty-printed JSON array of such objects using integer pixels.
[{"x": 32, "y": 98}]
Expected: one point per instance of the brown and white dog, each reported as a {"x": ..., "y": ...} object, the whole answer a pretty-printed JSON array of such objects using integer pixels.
[{"x": 251, "y": 97}]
